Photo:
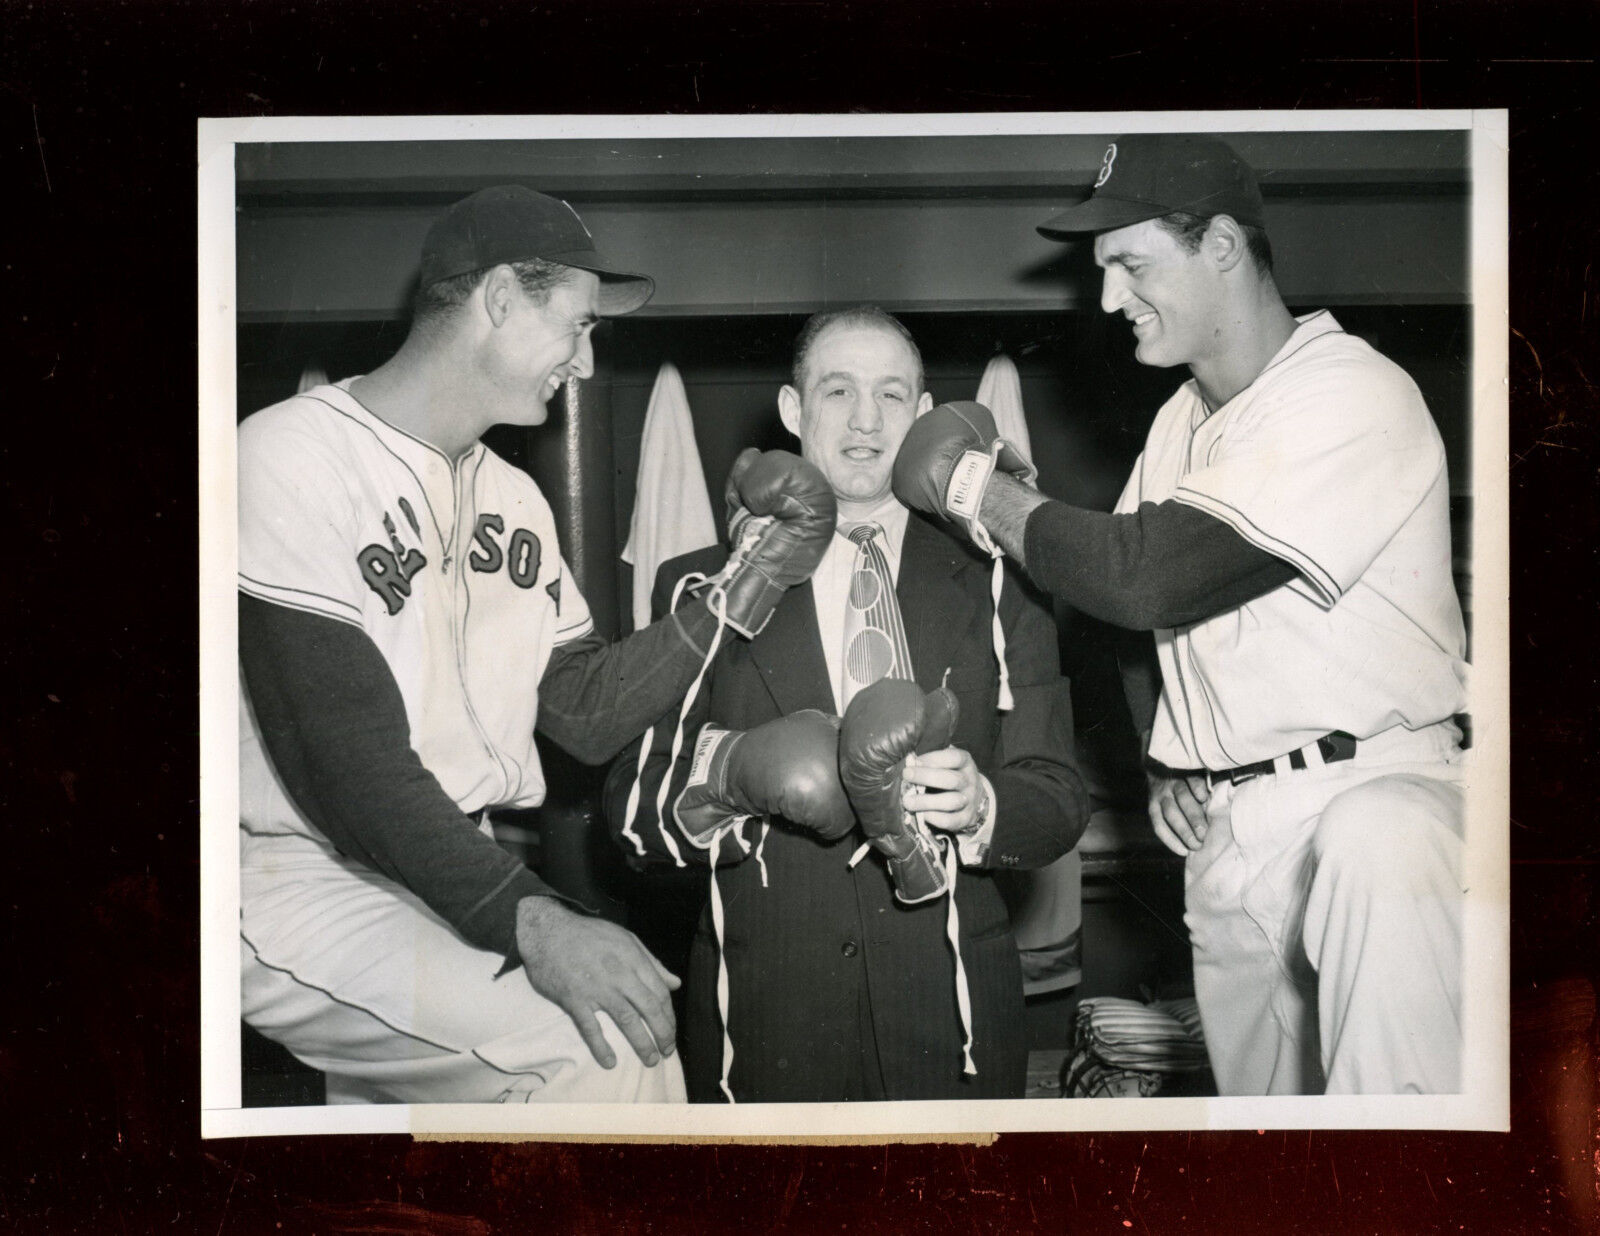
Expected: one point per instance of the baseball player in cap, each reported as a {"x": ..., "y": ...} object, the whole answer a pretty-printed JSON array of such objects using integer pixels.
[
  {"x": 1285, "y": 534},
  {"x": 406, "y": 622}
]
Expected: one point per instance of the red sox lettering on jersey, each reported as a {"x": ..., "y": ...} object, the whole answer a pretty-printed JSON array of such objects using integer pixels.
[
  {"x": 344, "y": 515},
  {"x": 388, "y": 568}
]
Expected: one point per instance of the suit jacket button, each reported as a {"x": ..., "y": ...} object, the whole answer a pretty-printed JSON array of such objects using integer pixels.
[{"x": 848, "y": 948}]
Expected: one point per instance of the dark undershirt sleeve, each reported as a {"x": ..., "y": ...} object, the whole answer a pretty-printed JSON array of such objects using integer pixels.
[
  {"x": 596, "y": 697},
  {"x": 1164, "y": 565},
  {"x": 334, "y": 724}
]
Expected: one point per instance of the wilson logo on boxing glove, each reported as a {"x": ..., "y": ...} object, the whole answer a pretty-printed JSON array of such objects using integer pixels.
[
  {"x": 968, "y": 480},
  {"x": 705, "y": 748}
]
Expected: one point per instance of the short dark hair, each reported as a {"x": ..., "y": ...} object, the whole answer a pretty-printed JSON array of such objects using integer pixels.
[
  {"x": 1188, "y": 230},
  {"x": 859, "y": 315},
  {"x": 436, "y": 302}
]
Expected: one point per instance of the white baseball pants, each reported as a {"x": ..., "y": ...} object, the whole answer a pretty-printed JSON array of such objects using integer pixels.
[
  {"x": 1324, "y": 908},
  {"x": 355, "y": 976}
]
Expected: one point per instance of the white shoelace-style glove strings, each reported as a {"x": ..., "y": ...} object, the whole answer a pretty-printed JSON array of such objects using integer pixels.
[
  {"x": 716, "y": 603},
  {"x": 952, "y": 927},
  {"x": 969, "y": 480},
  {"x": 952, "y": 931}
]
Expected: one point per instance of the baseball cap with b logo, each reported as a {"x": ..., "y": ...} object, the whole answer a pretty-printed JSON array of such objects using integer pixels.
[
  {"x": 511, "y": 223},
  {"x": 1147, "y": 175}
]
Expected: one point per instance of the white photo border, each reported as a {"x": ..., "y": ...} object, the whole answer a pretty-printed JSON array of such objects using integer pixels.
[{"x": 1484, "y": 1104}]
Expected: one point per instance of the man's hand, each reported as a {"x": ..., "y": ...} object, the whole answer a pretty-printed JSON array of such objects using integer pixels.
[
  {"x": 1178, "y": 811},
  {"x": 884, "y": 724},
  {"x": 944, "y": 787},
  {"x": 586, "y": 965}
]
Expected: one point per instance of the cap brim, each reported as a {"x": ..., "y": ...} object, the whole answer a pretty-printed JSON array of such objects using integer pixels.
[
  {"x": 622, "y": 294},
  {"x": 621, "y": 291},
  {"x": 1101, "y": 213}
]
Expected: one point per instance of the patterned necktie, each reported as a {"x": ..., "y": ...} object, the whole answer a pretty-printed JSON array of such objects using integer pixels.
[{"x": 874, "y": 636}]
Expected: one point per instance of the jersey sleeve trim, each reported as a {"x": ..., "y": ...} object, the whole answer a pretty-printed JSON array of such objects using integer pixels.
[
  {"x": 565, "y": 635},
  {"x": 1326, "y": 587},
  {"x": 491, "y": 894},
  {"x": 301, "y": 600}
]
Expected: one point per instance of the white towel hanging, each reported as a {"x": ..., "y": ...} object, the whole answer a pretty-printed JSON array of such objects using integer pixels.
[
  {"x": 1001, "y": 392},
  {"x": 671, "y": 512}
]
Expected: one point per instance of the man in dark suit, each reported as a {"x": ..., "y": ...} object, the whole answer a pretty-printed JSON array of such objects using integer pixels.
[{"x": 837, "y": 989}]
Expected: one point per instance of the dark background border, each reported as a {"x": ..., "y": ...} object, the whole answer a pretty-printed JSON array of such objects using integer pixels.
[{"x": 99, "y": 1060}]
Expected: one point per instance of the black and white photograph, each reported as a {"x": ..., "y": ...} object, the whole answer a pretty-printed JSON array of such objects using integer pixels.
[{"x": 841, "y": 625}]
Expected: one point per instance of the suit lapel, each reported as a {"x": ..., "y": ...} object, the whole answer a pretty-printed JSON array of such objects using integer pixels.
[
  {"x": 936, "y": 598},
  {"x": 789, "y": 655}
]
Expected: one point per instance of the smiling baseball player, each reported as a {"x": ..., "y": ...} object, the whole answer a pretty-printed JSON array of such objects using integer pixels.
[
  {"x": 406, "y": 622},
  {"x": 1286, "y": 535}
]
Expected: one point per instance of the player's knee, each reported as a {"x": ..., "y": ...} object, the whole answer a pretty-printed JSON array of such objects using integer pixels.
[
  {"x": 630, "y": 1080},
  {"x": 1385, "y": 831},
  {"x": 619, "y": 1083}
]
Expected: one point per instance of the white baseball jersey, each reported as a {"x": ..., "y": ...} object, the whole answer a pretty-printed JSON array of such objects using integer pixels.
[
  {"x": 451, "y": 567},
  {"x": 1330, "y": 461}
]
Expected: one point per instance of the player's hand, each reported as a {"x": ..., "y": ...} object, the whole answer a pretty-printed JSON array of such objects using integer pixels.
[
  {"x": 788, "y": 766},
  {"x": 781, "y": 516},
  {"x": 785, "y": 486},
  {"x": 586, "y": 965},
  {"x": 1178, "y": 811},
  {"x": 944, "y": 786},
  {"x": 946, "y": 459}
]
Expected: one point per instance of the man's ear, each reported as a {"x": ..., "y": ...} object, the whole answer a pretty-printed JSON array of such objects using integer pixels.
[
  {"x": 1225, "y": 242},
  {"x": 789, "y": 409},
  {"x": 499, "y": 289},
  {"x": 924, "y": 402}
]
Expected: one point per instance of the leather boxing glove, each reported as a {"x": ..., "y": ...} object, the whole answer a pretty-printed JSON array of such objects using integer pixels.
[
  {"x": 781, "y": 516},
  {"x": 945, "y": 462},
  {"x": 884, "y": 724},
  {"x": 787, "y": 767}
]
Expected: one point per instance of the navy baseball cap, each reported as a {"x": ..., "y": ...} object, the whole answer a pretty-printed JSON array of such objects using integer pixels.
[
  {"x": 510, "y": 223},
  {"x": 1147, "y": 175}
]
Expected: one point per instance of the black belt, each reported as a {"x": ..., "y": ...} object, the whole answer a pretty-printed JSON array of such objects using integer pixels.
[{"x": 1334, "y": 747}]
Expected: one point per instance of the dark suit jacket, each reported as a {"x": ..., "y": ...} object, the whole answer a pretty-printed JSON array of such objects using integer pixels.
[{"x": 837, "y": 990}]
